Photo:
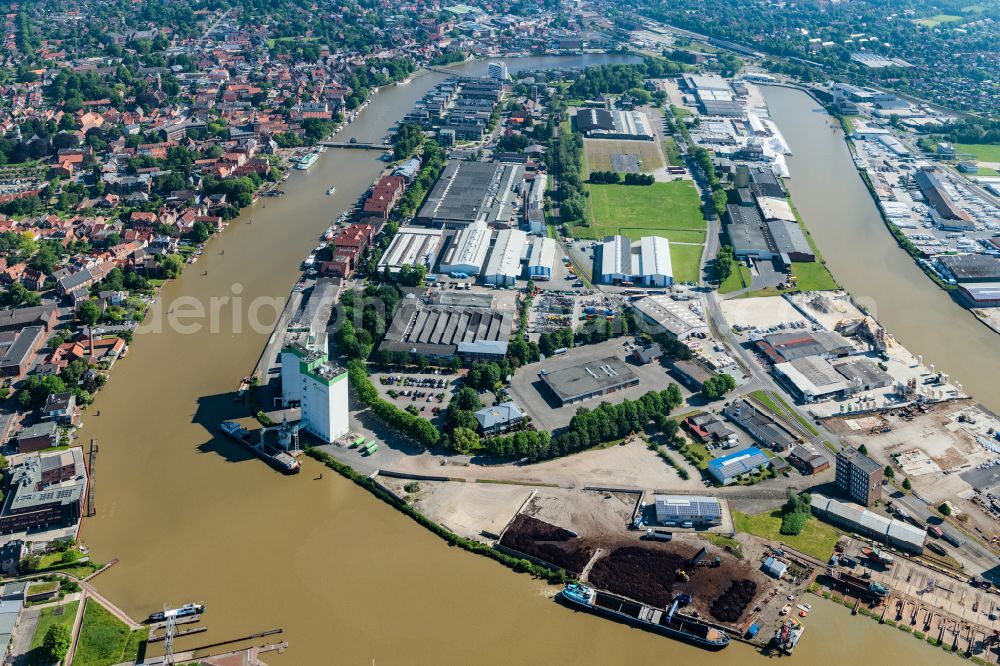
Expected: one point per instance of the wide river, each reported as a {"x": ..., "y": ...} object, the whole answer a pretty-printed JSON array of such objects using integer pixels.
[
  {"x": 193, "y": 518},
  {"x": 864, "y": 257}
]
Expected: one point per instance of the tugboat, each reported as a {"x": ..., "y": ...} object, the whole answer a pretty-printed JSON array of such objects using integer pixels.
[
  {"x": 186, "y": 610},
  {"x": 272, "y": 455},
  {"x": 665, "y": 621},
  {"x": 787, "y": 636}
]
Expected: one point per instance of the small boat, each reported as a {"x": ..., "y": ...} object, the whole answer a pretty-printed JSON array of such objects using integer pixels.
[
  {"x": 187, "y": 610},
  {"x": 331, "y": 191}
]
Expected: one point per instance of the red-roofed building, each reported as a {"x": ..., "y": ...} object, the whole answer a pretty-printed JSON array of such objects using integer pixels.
[{"x": 384, "y": 196}]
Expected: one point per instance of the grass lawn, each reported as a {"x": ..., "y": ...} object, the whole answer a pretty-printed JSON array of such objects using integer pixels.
[
  {"x": 671, "y": 151},
  {"x": 656, "y": 208},
  {"x": 106, "y": 640},
  {"x": 597, "y": 154},
  {"x": 817, "y": 539},
  {"x": 813, "y": 276},
  {"x": 740, "y": 278},
  {"x": 686, "y": 260},
  {"x": 986, "y": 171},
  {"x": 937, "y": 19},
  {"x": 46, "y": 619},
  {"x": 984, "y": 152}
]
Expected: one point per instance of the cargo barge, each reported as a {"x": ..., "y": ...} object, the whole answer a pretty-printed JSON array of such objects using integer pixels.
[
  {"x": 664, "y": 621},
  {"x": 272, "y": 455}
]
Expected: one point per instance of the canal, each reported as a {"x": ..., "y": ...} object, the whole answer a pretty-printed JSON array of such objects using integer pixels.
[
  {"x": 864, "y": 257},
  {"x": 193, "y": 518}
]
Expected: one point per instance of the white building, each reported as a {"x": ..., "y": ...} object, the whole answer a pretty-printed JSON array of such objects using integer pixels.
[
  {"x": 534, "y": 208},
  {"x": 320, "y": 389},
  {"x": 468, "y": 251},
  {"x": 411, "y": 246},
  {"x": 542, "y": 259},
  {"x": 645, "y": 262},
  {"x": 498, "y": 70},
  {"x": 504, "y": 266},
  {"x": 676, "y": 318}
]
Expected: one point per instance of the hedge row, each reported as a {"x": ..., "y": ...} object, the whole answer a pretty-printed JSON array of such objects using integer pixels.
[{"x": 515, "y": 563}]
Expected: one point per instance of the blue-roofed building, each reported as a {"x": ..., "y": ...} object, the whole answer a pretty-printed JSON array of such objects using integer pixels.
[
  {"x": 775, "y": 567},
  {"x": 726, "y": 469},
  {"x": 678, "y": 509}
]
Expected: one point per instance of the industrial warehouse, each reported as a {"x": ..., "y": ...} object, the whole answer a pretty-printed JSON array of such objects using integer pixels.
[
  {"x": 676, "y": 318},
  {"x": 444, "y": 329},
  {"x": 890, "y": 531},
  {"x": 590, "y": 380},
  {"x": 645, "y": 262},
  {"x": 672, "y": 510},
  {"x": 605, "y": 124},
  {"x": 468, "y": 192},
  {"x": 411, "y": 246}
]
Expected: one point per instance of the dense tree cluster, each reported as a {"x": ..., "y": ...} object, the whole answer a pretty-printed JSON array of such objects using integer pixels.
[
  {"x": 795, "y": 514},
  {"x": 408, "y": 138},
  {"x": 608, "y": 422},
  {"x": 718, "y": 386}
]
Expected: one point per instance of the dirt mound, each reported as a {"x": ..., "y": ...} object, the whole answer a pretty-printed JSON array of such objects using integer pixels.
[
  {"x": 547, "y": 542},
  {"x": 729, "y": 606},
  {"x": 643, "y": 574}
]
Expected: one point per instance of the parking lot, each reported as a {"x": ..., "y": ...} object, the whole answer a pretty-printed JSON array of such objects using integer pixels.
[
  {"x": 427, "y": 393},
  {"x": 530, "y": 393}
]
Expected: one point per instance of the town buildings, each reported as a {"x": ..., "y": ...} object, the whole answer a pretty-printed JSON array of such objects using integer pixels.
[{"x": 47, "y": 490}]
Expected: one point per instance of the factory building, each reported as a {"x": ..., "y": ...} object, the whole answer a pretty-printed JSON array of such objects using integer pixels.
[
  {"x": 542, "y": 259},
  {"x": 760, "y": 425},
  {"x": 468, "y": 250},
  {"x": 811, "y": 378},
  {"x": 727, "y": 469},
  {"x": 412, "y": 246},
  {"x": 613, "y": 124},
  {"x": 469, "y": 328},
  {"x": 534, "y": 208},
  {"x": 504, "y": 265},
  {"x": 766, "y": 233},
  {"x": 590, "y": 380},
  {"x": 933, "y": 190},
  {"x": 967, "y": 268},
  {"x": 468, "y": 192},
  {"x": 781, "y": 347},
  {"x": 661, "y": 313},
  {"x": 678, "y": 509},
  {"x": 645, "y": 262},
  {"x": 859, "y": 477},
  {"x": 980, "y": 295},
  {"x": 853, "y": 518}
]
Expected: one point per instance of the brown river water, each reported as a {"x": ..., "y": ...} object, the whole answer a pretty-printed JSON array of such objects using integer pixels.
[{"x": 350, "y": 580}]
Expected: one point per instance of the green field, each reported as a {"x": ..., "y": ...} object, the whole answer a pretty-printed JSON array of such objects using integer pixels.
[
  {"x": 813, "y": 276},
  {"x": 597, "y": 154},
  {"x": 817, "y": 539},
  {"x": 657, "y": 209},
  {"x": 983, "y": 152},
  {"x": 686, "y": 260},
  {"x": 740, "y": 278},
  {"x": 671, "y": 151},
  {"x": 46, "y": 619},
  {"x": 106, "y": 640},
  {"x": 937, "y": 19}
]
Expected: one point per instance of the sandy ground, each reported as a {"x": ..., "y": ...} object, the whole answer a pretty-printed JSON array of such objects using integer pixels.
[
  {"x": 468, "y": 509},
  {"x": 630, "y": 466},
  {"x": 933, "y": 447},
  {"x": 762, "y": 313},
  {"x": 829, "y": 308}
]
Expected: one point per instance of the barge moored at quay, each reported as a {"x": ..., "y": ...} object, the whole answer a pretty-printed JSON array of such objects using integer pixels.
[
  {"x": 664, "y": 621},
  {"x": 274, "y": 456}
]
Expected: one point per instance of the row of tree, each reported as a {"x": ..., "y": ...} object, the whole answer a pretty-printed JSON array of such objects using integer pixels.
[{"x": 417, "y": 428}]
